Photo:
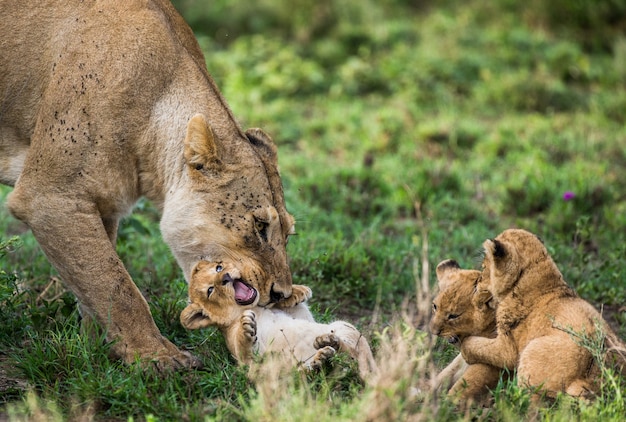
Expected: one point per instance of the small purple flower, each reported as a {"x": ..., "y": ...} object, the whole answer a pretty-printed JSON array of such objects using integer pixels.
[{"x": 568, "y": 195}]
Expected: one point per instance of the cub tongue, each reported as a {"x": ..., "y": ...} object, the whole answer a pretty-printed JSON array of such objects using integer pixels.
[{"x": 243, "y": 293}]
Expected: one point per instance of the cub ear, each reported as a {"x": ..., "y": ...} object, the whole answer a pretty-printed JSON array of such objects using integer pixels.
[
  {"x": 194, "y": 317},
  {"x": 443, "y": 268},
  {"x": 483, "y": 300},
  {"x": 201, "y": 151},
  {"x": 495, "y": 248}
]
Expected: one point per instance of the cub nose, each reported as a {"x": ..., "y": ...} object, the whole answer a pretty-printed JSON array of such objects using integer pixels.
[
  {"x": 226, "y": 278},
  {"x": 434, "y": 330}
]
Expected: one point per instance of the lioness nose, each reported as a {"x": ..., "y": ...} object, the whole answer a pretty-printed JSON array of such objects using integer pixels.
[{"x": 275, "y": 296}]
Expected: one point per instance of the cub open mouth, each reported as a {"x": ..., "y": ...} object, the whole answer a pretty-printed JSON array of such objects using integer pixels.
[
  {"x": 244, "y": 294},
  {"x": 453, "y": 340}
]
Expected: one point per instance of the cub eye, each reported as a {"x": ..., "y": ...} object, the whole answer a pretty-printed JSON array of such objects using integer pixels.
[
  {"x": 434, "y": 308},
  {"x": 452, "y": 316},
  {"x": 261, "y": 228},
  {"x": 209, "y": 291},
  {"x": 219, "y": 268}
]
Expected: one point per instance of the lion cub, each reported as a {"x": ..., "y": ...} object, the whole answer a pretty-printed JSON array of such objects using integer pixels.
[
  {"x": 540, "y": 320},
  {"x": 218, "y": 297},
  {"x": 456, "y": 316}
]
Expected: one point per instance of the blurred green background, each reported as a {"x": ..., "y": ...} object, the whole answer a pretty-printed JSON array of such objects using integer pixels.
[{"x": 481, "y": 114}]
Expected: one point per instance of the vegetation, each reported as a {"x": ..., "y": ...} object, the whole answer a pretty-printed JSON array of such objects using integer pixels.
[{"x": 408, "y": 132}]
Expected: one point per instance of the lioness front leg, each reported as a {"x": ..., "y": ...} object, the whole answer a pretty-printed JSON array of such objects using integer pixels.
[
  {"x": 500, "y": 352},
  {"x": 73, "y": 237}
]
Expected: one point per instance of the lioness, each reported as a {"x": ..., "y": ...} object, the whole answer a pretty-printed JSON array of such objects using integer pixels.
[
  {"x": 103, "y": 102},
  {"x": 540, "y": 320},
  {"x": 219, "y": 297},
  {"x": 456, "y": 316}
]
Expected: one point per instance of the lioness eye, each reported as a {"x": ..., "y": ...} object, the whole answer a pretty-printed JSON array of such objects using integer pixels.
[
  {"x": 209, "y": 291},
  {"x": 219, "y": 269},
  {"x": 261, "y": 228}
]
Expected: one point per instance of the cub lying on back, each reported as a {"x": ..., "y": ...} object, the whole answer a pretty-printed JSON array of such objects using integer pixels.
[
  {"x": 218, "y": 297},
  {"x": 538, "y": 320},
  {"x": 456, "y": 316}
]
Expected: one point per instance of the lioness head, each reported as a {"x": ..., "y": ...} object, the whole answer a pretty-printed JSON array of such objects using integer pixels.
[
  {"x": 229, "y": 205},
  {"x": 516, "y": 255},
  {"x": 217, "y": 296},
  {"x": 455, "y": 315}
]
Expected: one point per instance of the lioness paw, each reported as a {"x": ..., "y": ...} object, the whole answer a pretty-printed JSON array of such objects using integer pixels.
[
  {"x": 329, "y": 339},
  {"x": 299, "y": 294},
  {"x": 248, "y": 325},
  {"x": 167, "y": 357}
]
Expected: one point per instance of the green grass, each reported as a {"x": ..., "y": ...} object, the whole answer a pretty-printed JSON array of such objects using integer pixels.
[{"x": 397, "y": 123}]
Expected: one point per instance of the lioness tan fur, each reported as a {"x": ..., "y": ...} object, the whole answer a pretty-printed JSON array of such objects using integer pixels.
[
  {"x": 218, "y": 297},
  {"x": 104, "y": 102},
  {"x": 540, "y": 320},
  {"x": 456, "y": 316}
]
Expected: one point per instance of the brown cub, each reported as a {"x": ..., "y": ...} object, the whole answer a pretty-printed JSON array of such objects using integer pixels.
[
  {"x": 457, "y": 314},
  {"x": 540, "y": 320}
]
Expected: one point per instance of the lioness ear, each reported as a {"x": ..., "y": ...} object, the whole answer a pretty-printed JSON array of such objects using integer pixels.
[
  {"x": 262, "y": 142},
  {"x": 193, "y": 317},
  {"x": 200, "y": 147},
  {"x": 266, "y": 148}
]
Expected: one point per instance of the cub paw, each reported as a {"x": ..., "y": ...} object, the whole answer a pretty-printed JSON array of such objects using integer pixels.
[
  {"x": 299, "y": 294},
  {"x": 320, "y": 357},
  {"x": 467, "y": 350},
  {"x": 248, "y": 325},
  {"x": 327, "y": 340}
]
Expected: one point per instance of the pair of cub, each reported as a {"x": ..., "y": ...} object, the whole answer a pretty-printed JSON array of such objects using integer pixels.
[
  {"x": 519, "y": 314},
  {"x": 218, "y": 297}
]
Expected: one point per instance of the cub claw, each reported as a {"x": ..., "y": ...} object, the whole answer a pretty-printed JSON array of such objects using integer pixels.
[
  {"x": 327, "y": 340},
  {"x": 321, "y": 356},
  {"x": 248, "y": 323}
]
